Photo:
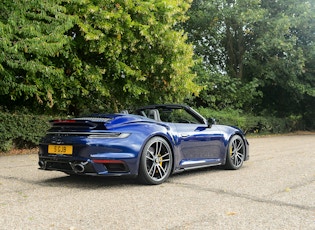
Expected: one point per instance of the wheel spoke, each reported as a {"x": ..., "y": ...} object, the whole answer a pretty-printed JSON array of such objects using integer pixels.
[
  {"x": 240, "y": 154},
  {"x": 233, "y": 151},
  {"x": 235, "y": 161},
  {"x": 239, "y": 159},
  {"x": 158, "y": 170},
  {"x": 149, "y": 158},
  {"x": 158, "y": 148},
  {"x": 161, "y": 170},
  {"x": 165, "y": 160},
  {"x": 237, "y": 153},
  {"x": 152, "y": 170},
  {"x": 150, "y": 155},
  {"x": 239, "y": 146},
  {"x": 165, "y": 155}
]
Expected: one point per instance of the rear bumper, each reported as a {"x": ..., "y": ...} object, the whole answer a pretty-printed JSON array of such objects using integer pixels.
[{"x": 85, "y": 166}]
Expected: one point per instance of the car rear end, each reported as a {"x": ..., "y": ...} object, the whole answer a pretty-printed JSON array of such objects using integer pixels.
[{"x": 85, "y": 146}]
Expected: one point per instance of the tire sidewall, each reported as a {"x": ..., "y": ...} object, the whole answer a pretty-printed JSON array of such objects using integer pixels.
[
  {"x": 143, "y": 173},
  {"x": 229, "y": 164}
]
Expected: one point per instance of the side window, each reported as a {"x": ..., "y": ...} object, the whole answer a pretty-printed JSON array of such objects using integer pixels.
[{"x": 178, "y": 116}]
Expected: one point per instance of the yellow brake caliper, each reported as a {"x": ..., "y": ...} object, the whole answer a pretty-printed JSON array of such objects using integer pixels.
[{"x": 160, "y": 159}]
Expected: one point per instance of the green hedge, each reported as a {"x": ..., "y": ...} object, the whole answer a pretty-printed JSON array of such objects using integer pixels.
[
  {"x": 25, "y": 131},
  {"x": 21, "y": 131},
  {"x": 255, "y": 124}
]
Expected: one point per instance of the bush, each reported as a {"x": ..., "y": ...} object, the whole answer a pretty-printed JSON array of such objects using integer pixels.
[
  {"x": 254, "y": 124},
  {"x": 25, "y": 130},
  {"x": 21, "y": 131}
]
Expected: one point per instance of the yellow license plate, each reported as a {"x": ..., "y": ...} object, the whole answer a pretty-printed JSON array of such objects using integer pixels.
[{"x": 60, "y": 149}]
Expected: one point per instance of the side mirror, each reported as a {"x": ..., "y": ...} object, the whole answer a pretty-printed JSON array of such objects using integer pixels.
[{"x": 211, "y": 122}]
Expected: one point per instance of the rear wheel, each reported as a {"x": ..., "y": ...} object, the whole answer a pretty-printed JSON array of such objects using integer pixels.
[
  {"x": 236, "y": 153},
  {"x": 156, "y": 161}
]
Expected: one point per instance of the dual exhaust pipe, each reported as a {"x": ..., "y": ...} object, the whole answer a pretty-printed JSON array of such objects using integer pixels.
[
  {"x": 76, "y": 167},
  {"x": 42, "y": 164}
]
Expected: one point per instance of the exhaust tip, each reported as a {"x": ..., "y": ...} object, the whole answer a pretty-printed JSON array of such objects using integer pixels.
[
  {"x": 78, "y": 168},
  {"x": 42, "y": 164}
]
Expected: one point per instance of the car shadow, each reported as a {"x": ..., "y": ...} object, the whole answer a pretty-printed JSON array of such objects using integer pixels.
[
  {"x": 92, "y": 182},
  {"x": 88, "y": 182}
]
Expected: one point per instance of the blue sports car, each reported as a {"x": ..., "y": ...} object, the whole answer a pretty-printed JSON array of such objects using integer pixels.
[{"x": 150, "y": 144}]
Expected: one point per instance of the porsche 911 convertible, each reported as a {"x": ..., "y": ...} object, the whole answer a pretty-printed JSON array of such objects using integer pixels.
[{"x": 151, "y": 144}]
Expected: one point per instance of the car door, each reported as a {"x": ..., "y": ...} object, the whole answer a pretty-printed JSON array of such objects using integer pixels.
[{"x": 200, "y": 144}]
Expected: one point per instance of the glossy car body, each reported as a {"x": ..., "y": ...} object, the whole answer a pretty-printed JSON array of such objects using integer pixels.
[{"x": 150, "y": 144}]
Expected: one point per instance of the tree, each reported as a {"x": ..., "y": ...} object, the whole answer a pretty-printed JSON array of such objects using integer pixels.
[
  {"x": 221, "y": 34},
  {"x": 32, "y": 41},
  {"x": 78, "y": 55},
  {"x": 266, "y": 44},
  {"x": 132, "y": 51},
  {"x": 283, "y": 47},
  {"x": 220, "y": 91}
]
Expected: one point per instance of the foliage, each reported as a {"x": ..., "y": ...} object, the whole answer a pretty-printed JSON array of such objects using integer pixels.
[
  {"x": 65, "y": 54},
  {"x": 251, "y": 124},
  {"x": 74, "y": 56},
  {"x": 32, "y": 42},
  {"x": 19, "y": 130},
  {"x": 268, "y": 45},
  {"x": 221, "y": 91},
  {"x": 131, "y": 49},
  {"x": 283, "y": 47},
  {"x": 220, "y": 30}
]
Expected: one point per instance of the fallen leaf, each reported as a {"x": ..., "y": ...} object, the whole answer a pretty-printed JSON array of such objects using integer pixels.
[{"x": 231, "y": 213}]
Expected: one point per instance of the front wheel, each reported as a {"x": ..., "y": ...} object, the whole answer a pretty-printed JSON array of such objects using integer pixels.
[
  {"x": 156, "y": 161},
  {"x": 236, "y": 153}
]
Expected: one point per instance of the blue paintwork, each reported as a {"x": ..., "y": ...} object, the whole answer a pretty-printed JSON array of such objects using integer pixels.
[{"x": 193, "y": 145}]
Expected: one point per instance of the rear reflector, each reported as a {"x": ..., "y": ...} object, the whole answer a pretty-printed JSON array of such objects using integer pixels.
[{"x": 108, "y": 161}]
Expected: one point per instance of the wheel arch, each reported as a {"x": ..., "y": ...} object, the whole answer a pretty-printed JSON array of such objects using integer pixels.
[
  {"x": 245, "y": 144},
  {"x": 228, "y": 141},
  {"x": 166, "y": 138},
  {"x": 152, "y": 170}
]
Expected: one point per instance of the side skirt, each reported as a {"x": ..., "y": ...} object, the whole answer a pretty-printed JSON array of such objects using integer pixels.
[{"x": 179, "y": 170}]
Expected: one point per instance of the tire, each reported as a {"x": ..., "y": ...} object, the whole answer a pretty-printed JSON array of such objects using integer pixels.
[
  {"x": 156, "y": 162},
  {"x": 235, "y": 153}
]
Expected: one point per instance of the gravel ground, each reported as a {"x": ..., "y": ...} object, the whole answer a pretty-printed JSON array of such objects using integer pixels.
[{"x": 273, "y": 190}]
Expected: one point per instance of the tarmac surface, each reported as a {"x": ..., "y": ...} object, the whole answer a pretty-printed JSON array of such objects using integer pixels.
[{"x": 275, "y": 189}]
